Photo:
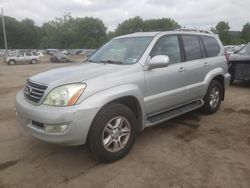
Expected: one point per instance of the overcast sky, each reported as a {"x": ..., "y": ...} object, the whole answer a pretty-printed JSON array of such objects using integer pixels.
[{"x": 189, "y": 13}]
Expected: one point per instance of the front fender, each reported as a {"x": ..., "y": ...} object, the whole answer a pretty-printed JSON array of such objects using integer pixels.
[{"x": 100, "y": 99}]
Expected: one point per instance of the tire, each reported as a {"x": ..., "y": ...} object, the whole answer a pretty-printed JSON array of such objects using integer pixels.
[
  {"x": 212, "y": 99},
  {"x": 11, "y": 62},
  {"x": 103, "y": 130},
  {"x": 33, "y": 61},
  {"x": 231, "y": 81}
]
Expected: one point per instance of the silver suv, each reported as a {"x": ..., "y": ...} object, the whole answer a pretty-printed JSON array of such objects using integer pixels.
[
  {"x": 22, "y": 57},
  {"x": 132, "y": 82}
]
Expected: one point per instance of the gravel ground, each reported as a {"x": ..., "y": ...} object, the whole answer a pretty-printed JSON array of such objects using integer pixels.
[{"x": 193, "y": 150}]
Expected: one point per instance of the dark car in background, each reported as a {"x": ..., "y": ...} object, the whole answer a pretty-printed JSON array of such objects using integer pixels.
[
  {"x": 239, "y": 64},
  {"x": 59, "y": 58}
]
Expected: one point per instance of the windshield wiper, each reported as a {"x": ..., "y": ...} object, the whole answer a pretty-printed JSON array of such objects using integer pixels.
[{"x": 111, "y": 62}]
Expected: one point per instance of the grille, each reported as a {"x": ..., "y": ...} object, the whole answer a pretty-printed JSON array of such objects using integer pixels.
[{"x": 34, "y": 91}]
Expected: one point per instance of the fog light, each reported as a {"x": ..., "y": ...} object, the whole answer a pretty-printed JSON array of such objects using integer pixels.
[{"x": 55, "y": 128}]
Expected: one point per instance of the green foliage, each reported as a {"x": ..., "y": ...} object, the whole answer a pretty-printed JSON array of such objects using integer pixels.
[
  {"x": 232, "y": 37},
  {"x": 245, "y": 33},
  {"x": 137, "y": 24},
  {"x": 163, "y": 24},
  {"x": 222, "y": 29},
  {"x": 131, "y": 25},
  {"x": 88, "y": 32},
  {"x": 69, "y": 32},
  {"x": 20, "y": 34}
]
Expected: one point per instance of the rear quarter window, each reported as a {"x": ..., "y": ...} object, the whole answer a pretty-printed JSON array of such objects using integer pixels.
[{"x": 211, "y": 46}]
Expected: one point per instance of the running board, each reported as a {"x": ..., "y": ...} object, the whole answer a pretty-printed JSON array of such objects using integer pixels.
[{"x": 159, "y": 118}]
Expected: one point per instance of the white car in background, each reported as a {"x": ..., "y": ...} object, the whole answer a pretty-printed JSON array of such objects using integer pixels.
[{"x": 22, "y": 57}]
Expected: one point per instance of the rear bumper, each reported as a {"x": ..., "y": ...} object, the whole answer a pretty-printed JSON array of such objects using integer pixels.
[
  {"x": 227, "y": 78},
  {"x": 77, "y": 118}
]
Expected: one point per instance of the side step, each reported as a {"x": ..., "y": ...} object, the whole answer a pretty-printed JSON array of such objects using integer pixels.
[{"x": 159, "y": 118}]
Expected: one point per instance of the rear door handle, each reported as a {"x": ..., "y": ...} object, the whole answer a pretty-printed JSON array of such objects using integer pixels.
[
  {"x": 181, "y": 69},
  {"x": 206, "y": 64}
]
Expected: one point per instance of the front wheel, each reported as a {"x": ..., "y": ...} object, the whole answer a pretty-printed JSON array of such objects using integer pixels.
[
  {"x": 213, "y": 97},
  {"x": 11, "y": 62},
  {"x": 113, "y": 133}
]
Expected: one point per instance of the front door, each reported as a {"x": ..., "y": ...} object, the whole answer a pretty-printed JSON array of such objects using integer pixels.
[{"x": 166, "y": 87}]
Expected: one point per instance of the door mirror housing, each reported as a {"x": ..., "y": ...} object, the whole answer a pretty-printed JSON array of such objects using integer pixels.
[{"x": 158, "y": 61}]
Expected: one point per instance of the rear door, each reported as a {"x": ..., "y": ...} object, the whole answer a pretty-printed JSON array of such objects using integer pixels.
[
  {"x": 197, "y": 65},
  {"x": 166, "y": 87}
]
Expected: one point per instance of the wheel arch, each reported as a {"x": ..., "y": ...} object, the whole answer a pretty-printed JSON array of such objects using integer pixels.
[
  {"x": 128, "y": 95},
  {"x": 12, "y": 60},
  {"x": 220, "y": 79},
  {"x": 218, "y": 75}
]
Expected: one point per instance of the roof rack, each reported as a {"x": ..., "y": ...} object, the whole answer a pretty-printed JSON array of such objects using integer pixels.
[{"x": 195, "y": 30}]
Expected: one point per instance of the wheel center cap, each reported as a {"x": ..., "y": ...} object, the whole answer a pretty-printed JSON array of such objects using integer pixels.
[{"x": 116, "y": 134}]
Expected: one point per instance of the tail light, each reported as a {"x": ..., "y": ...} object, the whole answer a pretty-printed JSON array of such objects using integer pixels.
[{"x": 227, "y": 56}]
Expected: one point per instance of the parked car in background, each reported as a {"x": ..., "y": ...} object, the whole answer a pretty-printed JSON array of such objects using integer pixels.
[
  {"x": 40, "y": 54},
  {"x": 65, "y": 52},
  {"x": 132, "y": 82},
  {"x": 230, "y": 49},
  {"x": 52, "y": 51},
  {"x": 239, "y": 64},
  {"x": 22, "y": 57},
  {"x": 75, "y": 51},
  {"x": 59, "y": 58}
]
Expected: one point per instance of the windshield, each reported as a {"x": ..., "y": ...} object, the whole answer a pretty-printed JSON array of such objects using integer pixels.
[
  {"x": 245, "y": 50},
  {"x": 122, "y": 51}
]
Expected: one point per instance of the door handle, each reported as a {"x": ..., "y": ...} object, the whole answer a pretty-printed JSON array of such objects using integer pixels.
[
  {"x": 206, "y": 64},
  {"x": 181, "y": 69}
]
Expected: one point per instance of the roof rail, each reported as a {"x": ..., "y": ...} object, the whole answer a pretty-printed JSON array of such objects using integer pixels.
[{"x": 195, "y": 30}]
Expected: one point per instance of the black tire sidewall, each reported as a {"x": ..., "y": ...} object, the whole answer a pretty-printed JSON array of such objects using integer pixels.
[
  {"x": 207, "y": 107},
  {"x": 99, "y": 123}
]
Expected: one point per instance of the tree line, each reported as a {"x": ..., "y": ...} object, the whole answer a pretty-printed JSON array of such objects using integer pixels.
[{"x": 88, "y": 32}]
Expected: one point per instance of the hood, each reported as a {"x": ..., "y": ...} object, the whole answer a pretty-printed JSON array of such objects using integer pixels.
[{"x": 76, "y": 73}]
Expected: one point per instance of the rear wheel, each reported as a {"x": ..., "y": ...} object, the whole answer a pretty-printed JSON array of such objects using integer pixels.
[
  {"x": 113, "y": 133},
  {"x": 33, "y": 61},
  {"x": 213, "y": 97}
]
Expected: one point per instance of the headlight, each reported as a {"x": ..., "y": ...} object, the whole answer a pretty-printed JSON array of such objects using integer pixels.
[{"x": 66, "y": 95}]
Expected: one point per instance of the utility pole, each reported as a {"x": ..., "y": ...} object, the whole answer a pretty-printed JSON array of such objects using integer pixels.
[{"x": 4, "y": 34}]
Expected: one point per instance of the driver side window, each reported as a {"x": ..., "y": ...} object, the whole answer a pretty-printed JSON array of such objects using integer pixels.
[{"x": 168, "y": 45}]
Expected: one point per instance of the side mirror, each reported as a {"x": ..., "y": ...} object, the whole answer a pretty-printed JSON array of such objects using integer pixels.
[{"x": 158, "y": 61}]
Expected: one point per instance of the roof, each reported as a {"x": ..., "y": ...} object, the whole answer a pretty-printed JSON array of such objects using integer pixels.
[
  {"x": 145, "y": 34},
  {"x": 139, "y": 34}
]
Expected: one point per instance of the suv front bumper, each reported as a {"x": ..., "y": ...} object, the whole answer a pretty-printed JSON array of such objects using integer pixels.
[{"x": 77, "y": 118}]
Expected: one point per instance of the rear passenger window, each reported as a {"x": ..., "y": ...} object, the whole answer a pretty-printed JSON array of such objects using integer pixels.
[
  {"x": 211, "y": 46},
  {"x": 192, "y": 47},
  {"x": 168, "y": 45}
]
